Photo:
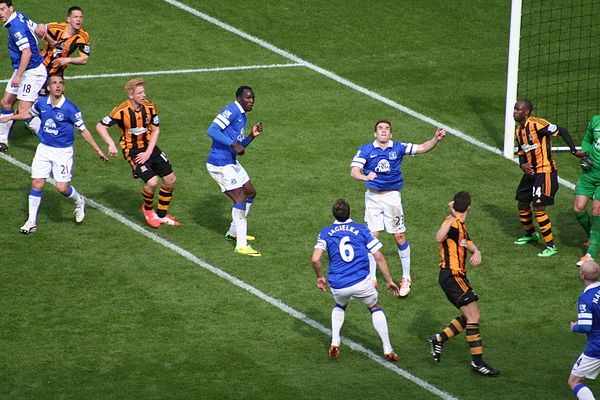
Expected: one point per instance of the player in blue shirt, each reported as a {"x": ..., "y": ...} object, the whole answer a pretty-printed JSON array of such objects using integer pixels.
[
  {"x": 29, "y": 72},
  {"x": 229, "y": 140},
  {"x": 379, "y": 164},
  {"x": 348, "y": 244},
  {"x": 588, "y": 322},
  {"x": 54, "y": 155}
]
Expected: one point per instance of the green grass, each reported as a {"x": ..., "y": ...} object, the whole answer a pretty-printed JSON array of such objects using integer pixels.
[{"x": 101, "y": 311}]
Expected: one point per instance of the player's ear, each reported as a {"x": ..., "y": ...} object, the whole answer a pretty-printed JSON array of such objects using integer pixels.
[{"x": 374, "y": 134}]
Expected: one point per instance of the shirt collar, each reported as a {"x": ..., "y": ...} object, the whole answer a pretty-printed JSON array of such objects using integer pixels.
[
  {"x": 60, "y": 103},
  {"x": 593, "y": 285},
  {"x": 336, "y": 222},
  {"x": 376, "y": 144},
  {"x": 12, "y": 16},
  {"x": 239, "y": 106}
]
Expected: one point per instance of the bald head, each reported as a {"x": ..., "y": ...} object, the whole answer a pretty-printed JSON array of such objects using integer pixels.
[{"x": 590, "y": 270}]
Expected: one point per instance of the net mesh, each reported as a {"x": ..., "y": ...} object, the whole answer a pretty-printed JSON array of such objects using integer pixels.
[{"x": 559, "y": 61}]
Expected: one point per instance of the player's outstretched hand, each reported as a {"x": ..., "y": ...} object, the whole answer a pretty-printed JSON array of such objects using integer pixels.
[
  {"x": 257, "y": 129},
  {"x": 440, "y": 133},
  {"x": 527, "y": 168},
  {"x": 393, "y": 287},
  {"x": 102, "y": 155},
  {"x": 586, "y": 163},
  {"x": 112, "y": 150},
  {"x": 475, "y": 259},
  {"x": 322, "y": 283}
]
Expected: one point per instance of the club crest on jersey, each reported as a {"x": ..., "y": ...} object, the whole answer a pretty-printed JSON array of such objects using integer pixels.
[
  {"x": 393, "y": 155},
  {"x": 383, "y": 166},
  {"x": 59, "y": 116}
]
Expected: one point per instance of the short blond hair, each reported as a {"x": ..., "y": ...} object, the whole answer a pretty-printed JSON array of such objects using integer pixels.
[{"x": 132, "y": 84}]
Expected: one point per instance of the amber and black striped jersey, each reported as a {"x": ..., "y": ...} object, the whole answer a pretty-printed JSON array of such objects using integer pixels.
[
  {"x": 64, "y": 47},
  {"x": 135, "y": 126},
  {"x": 453, "y": 250},
  {"x": 535, "y": 143}
]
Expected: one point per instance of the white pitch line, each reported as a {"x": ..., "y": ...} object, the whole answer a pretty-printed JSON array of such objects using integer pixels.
[
  {"x": 249, "y": 288},
  {"x": 178, "y": 71}
]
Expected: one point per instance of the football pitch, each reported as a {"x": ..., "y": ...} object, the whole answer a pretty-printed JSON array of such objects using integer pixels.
[{"x": 111, "y": 308}]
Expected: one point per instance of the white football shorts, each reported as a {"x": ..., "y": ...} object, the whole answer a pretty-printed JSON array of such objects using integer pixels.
[
  {"x": 48, "y": 159},
  {"x": 384, "y": 211},
  {"x": 229, "y": 177},
  {"x": 32, "y": 81},
  {"x": 586, "y": 367},
  {"x": 363, "y": 291}
]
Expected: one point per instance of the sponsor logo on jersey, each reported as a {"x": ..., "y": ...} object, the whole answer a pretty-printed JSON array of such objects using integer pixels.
[
  {"x": 383, "y": 166},
  {"x": 528, "y": 147},
  {"x": 137, "y": 131},
  {"x": 50, "y": 127}
]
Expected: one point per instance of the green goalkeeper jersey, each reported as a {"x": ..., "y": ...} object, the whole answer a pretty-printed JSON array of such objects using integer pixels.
[{"x": 591, "y": 142}]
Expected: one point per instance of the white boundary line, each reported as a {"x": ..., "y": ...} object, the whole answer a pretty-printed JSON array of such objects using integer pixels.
[
  {"x": 178, "y": 71},
  {"x": 249, "y": 288},
  {"x": 345, "y": 82}
]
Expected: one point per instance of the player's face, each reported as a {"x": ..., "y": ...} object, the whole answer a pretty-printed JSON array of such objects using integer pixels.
[
  {"x": 75, "y": 19},
  {"x": 56, "y": 86},
  {"x": 246, "y": 100},
  {"x": 5, "y": 12},
  {"x": 139, "y": 95},
  {"x": 520, "y": 112},
  {"x": 383, "y": 132}
]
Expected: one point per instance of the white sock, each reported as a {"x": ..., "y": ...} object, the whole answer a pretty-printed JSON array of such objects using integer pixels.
[
  {"x": 583, "y": 392},
  {"x": 5, "y": 128},
  {"x": 238, "y": 217},
  {"x": 35, "y": 124},
  {"x": 372, "y": 267},
  {"x": 405, "y": 259},
  {"x": 381, "y": 326},
  {"x": 248, "y": 205},
  {"x": 35, "y": 198},
  {"x": 337, "y": 320}
]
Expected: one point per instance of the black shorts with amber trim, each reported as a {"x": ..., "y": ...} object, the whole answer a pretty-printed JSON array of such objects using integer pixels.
[
  {"x": 157, "y": 164},
  {"x": 457, "y": 288},
  {"x": 538, "y": 188}
]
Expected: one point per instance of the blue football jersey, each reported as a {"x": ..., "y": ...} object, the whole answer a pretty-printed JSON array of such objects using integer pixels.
[
  {"x": 386, "y": 163},
  {"x": 588, "y": 319},
  {"x": 21, "y": 36},
  {"x": 228, "y": 126},
  {"x": 57, "y": 126},
  {"x": 348, "y": 244}
]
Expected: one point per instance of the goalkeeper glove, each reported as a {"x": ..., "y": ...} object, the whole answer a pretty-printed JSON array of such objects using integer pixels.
[{"x": 586, "y": 163}]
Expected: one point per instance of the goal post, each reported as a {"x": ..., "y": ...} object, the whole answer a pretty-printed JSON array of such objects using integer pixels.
[{"x": 512, "y": 77}]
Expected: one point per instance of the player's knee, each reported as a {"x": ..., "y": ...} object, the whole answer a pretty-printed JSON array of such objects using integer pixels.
[
  {"x": 6, "y": 104},
  {"x": 169, "y": 180},
  {"x": 400, "y": 238},
  {"x": 62, "y": 189},
  {"x": 523, "y": 206}
]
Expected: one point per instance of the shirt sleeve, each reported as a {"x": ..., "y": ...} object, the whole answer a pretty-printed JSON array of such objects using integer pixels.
[
  {"x": 359, "y": 159},
  {"x": 321, "y": 243},
  {"x": 584, "y": 318},
  {"x": 78, "y": 119},
  {"x": 111, "y": 119},
  {"x": 373, "y": 244}
]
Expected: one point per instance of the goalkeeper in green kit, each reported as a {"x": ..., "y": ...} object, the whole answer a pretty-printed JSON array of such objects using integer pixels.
[{"x": 588, "y": 187}]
